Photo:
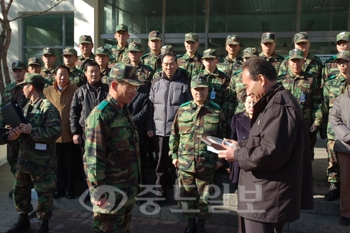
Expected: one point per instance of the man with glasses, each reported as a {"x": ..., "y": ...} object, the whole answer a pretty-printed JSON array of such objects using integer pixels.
[{"x": 112, "y": 156}]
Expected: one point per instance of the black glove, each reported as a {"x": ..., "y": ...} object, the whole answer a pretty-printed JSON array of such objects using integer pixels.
[
  {"x": 314, "y": 128},
  {"x": 323, "y": 133}
]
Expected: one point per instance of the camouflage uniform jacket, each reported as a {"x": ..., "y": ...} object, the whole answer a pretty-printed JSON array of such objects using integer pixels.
[
  {"x": 151, "y": 60},
  {"x": 112, "y": 155},
  {"x": 81, "y": 59},
  {"x": 274, "y": 59},
  {"x": 192, "y": 64},
  {"x": 104, "y": 74},
  {"x": 190, "y": 124},
  {"x": 145, "y": 74},
  {"x": 219, "y": 92},
  {"x": 237, "y": 88},
  {"x": 46, "y": 129},
  {"x": 120, "y": 55},
  {"x": 313, "y": 65},
  {"x": 229, "y": 66},
  {"x": 305, "y": 89},
  {"x": 12, "y": 92},
  {"x": 48, "y": 74},
  {"x": 330, "y": 68},
  {"x": 333, "y": 87},
  {"x": 76, "y": 77}
]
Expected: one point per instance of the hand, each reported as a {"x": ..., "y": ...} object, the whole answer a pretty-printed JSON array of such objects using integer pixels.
[
  {"x": 150, "y": 133},
  {"x": 228, "y": 170},
  {"x": 25, "y": 128},
  {"x": 176, "y": 162},
  {"x": 218, "y": 165},
  {"x": 8, "y": 127},
  {"x": 228, "y": 153},
  {"x": 14, "y": 134},
  {"x": 77, "y": 139},
  {"x": 323, "y": 133},
  {"x": 314, "y": 128}
]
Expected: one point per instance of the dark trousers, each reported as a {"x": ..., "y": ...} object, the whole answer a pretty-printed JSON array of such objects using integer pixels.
[
  {"x": 164, "y": 176},
  {"x": 249, "y": 226},
  {"x": 64, "y": 166}
]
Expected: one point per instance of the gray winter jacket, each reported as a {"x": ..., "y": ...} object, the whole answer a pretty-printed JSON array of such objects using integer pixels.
[{"x": 339, "y": 117}]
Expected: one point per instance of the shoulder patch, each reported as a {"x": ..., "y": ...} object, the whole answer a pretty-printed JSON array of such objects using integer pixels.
[
  {"x": 102, "y": 105},
  {"x": 185, "y": 104},
  {"x": 215, "y": 105}
]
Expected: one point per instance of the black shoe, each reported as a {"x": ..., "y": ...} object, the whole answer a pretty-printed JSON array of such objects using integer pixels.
[
  {"x": 11, "y": 193},
  {"x": 57, "y": 194},
  {"x": 21, "y": 225},
  {"x": 191, "y": 228},
  {"x": 44, "y": 227},
  {"x": 200, "y": 226},
  {"x": 69, "y": 195},
  {"x": 333, "y": 193},
  {"x": 344, "y": 221}
]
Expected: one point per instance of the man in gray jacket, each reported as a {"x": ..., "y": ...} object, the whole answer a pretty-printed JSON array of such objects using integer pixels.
[{"x": 168, "y": 92}]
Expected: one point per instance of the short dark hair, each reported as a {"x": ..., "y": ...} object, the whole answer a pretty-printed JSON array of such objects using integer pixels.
[
  {"x": 61, "y": 67},
  {"x": 88, "y": 63},
  {"x": 170, "y": 54},
  {"x": 38, "y": 86},
  {"x": 257, "y": 66}
]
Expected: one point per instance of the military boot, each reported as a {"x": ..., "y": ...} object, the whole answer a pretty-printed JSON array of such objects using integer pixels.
[
  {"x": 333, "y": 193},
  {"x": 191, "y": 228},
  {"x": 21, "y": 225},
  {"x": 44, "y": 227},
  {"x": 200, "y": 225}
]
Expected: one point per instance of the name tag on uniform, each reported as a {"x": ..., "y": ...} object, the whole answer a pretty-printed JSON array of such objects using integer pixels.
[
  {"x": 212, "y": 94},
  {"x": 40, "y": 146},
  {"x": 302, "y": 97}
]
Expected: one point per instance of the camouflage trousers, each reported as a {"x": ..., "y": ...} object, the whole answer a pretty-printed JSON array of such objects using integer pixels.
[
  {"x": 333, "y": 166},
  {"x": 12, "y": 155},
  {"x": 43, "y": 185},
  {"x": 194, "y": 193},
  {"x": 113, "y": 223}
]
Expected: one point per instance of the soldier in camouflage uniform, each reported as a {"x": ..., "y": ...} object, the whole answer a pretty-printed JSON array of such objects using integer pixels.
[
  {"x": 102, "y": 59},
  {"x": 13, "y": 92},
  {"x": 37, "y": 158},
  {"x": 34, "y": 65},
  {"x": 236, "y": 86},
  {"x": 144, "y": 72},
  {"x": 112, "y": 146},
  {"x": 152, "y": 58},
  {"x": 85, "y": 46},
  {"x": 333, "y": 87},
  {"x": 218, "y": 84},
  {"x": 330, "y": 66},
  {"x": 268, "y": 44},
  {"x": 49, "y": 59},
  {"x": 231, "y": 63},
  {"x": 70, "y": 57},
  {"x": 191, "y": 60},
  {"x": 312, "y": 65},
  {"x": 119, "y": 51},
  {"x": 305, "y": 88},
  {"x": 189, "y": 154}
]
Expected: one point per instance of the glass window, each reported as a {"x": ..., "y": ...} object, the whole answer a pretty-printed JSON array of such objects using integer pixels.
[{"x": 49, "y": 30}]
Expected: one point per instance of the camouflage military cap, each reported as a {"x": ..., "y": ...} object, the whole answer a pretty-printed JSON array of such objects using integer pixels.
[
  {"x": 343, "y": 55},
  {"x": 154, "y": 35},
  {"x": 250, "y": 52},
  {"x": 34, "y": 61},
  {"x": 49, "y": 51},
  {"x": 296, "y": 54},
  {"x": 199, "y": 81},
  {"x": 268, "y": 37},
  {"x": 18, "y": 65},
  {"x": 125, "y": 73},
  {"x": 301, "y": 37},
  {"x": 210, "y": 53},
  {"x": 135, "y": 47},
  {"x": 102, "y": 51},
  {"x": 85, "y": 39},
  {"x": 191, "y": 37},
  {"x": 70, "y": 51},
  {"x": 232, "y": 39},
  {"x": 121, "y": 27},
  {"x": 343, "y": 36},
  {"x": 167, "y": 49},
  {"x": 32, "y": 78}
]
